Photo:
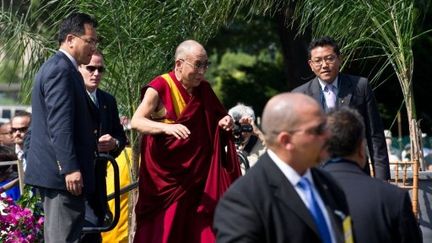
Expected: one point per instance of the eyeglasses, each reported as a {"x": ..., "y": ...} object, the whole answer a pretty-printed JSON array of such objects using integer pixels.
[
  {"x": 92, "y": 42},
  {"x": 91, "y": 69},
  {"x": 197, "y": 65},
  {"x": 316, "y": 131},
  {"x": 330, "y": 59},
  {"x": 20, "y": 129}
]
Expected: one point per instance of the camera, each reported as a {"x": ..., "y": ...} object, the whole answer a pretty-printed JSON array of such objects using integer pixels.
[{"x": 239, "y": 129}]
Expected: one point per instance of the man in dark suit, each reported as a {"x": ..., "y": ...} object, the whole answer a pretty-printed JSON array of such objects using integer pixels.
[
  {"x": 60, "y": 159},
  {"x": 111, "y": 136},
  {"x": 333, "y": 89},
  {"x": 269, "y": 204},
  {"x": 381, "y": 212}
]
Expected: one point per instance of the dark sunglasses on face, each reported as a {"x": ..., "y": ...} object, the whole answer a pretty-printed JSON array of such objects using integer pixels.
[
  {"x": 91, "y": 69},
  {"x": 316, "y": 131},
  {"x": 20, "y": 129}
]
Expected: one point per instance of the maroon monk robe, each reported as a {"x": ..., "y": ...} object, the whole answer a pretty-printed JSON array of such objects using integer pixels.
[{"x": 181, "y": 180}]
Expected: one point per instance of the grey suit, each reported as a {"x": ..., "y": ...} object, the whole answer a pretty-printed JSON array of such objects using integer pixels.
[
  {"x": 263, "y": 206},
  {"x": 355, "y": 92}
]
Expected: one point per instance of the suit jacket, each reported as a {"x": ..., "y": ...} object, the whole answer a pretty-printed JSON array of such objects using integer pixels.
[
  {"x": 109, "y": 120},
  {"x": 109, "y": 123},
  {"x": 381, "y": 212},
  {"x": 63, "y": 127},
  {"x": 355, "y": 92},
  {"x": 263, "y": 206}
]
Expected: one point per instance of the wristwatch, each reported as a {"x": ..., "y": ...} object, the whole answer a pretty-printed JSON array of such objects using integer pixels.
[{"x": 117, "y": 143}]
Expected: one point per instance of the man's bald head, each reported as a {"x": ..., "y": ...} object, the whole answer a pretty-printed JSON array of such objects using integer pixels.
[
  {"x": 187, "y": 47},
  {"x": 282, "y": 113}
]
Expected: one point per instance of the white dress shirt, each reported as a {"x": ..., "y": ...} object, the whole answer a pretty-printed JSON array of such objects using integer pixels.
[{"x": 293, "y": 177}]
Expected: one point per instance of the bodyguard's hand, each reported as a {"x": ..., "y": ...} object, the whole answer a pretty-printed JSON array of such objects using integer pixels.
[
  {"x": 74, "y": 183},
  {"x": 177, "y": 130},
  {"x": 106, "y": 143},
  {"x": 226, "y": 123}
]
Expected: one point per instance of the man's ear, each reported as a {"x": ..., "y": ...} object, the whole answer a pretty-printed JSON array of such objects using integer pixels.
[
  {"x": 310, "y": 65},
  {"x": 69, "y": 39},
  {"x": 178, "y": 64},
  {"x": 284, "y": 139}
]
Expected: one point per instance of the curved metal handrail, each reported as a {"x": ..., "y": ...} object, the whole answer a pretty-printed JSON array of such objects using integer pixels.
[{"x": 114, "y": 221}]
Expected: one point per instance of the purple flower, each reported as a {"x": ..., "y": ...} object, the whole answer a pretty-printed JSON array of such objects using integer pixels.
[{"x": 18, "y": 224}]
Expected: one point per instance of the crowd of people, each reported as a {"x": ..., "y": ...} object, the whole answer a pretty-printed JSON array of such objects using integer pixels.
[{"x": 309, "y": 179}]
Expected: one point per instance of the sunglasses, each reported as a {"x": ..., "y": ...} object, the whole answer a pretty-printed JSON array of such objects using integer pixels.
[
  {"x": 20, "y": 129},
  {"x": 318, "y": 130},
  {"x": 91, "y": 69}
]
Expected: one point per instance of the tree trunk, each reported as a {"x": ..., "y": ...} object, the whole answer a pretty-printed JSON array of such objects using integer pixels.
[
  {"x": 294, "y": 49},
  {"x": 133, "y": 195}
]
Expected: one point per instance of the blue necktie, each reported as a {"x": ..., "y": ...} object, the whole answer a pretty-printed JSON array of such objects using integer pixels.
[{"x": 315, "y": 210}]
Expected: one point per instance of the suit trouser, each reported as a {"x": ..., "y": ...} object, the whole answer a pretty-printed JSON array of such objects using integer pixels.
[
  {"x": 91, "y": 220},
  {"x": 64, "y": 215}
]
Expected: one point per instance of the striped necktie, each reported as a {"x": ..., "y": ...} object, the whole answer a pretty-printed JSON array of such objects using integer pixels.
[{"x": 330, "y": 96}]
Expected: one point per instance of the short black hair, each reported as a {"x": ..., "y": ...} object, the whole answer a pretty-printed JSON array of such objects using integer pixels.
[
  {"x": 323, "y": 41},
  {"x": 74, "y": 24},
  {"x": 347, "y": 132},
  {"x": 22, "y": 113}
]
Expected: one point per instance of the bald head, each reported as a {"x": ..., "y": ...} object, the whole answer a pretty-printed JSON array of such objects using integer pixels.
[
  {"x": 187, "y": 47},
  {"x": 283, "y": 113}
]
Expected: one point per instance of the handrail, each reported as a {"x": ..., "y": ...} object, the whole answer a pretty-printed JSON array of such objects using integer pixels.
[
  {"x": 20, "y": 169},
  {"x": 123, "y": 190},
  {"x": 9, "y": 185},
  {"x": 114, "y": 221}
]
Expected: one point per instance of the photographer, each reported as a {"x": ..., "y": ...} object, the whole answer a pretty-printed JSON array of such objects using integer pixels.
[{"x": 248, "y": 137}]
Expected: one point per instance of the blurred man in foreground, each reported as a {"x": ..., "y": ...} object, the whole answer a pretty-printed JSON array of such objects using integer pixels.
[{"x": 284, "y": 198}]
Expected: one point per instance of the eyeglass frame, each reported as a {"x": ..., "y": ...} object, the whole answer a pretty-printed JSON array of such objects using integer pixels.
[
  {"x": 101, "y": 69},
  {"x": 329, "y": 59},
  {"x": 90, "y": 42},
  {"x": 197, "y": 66}
]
